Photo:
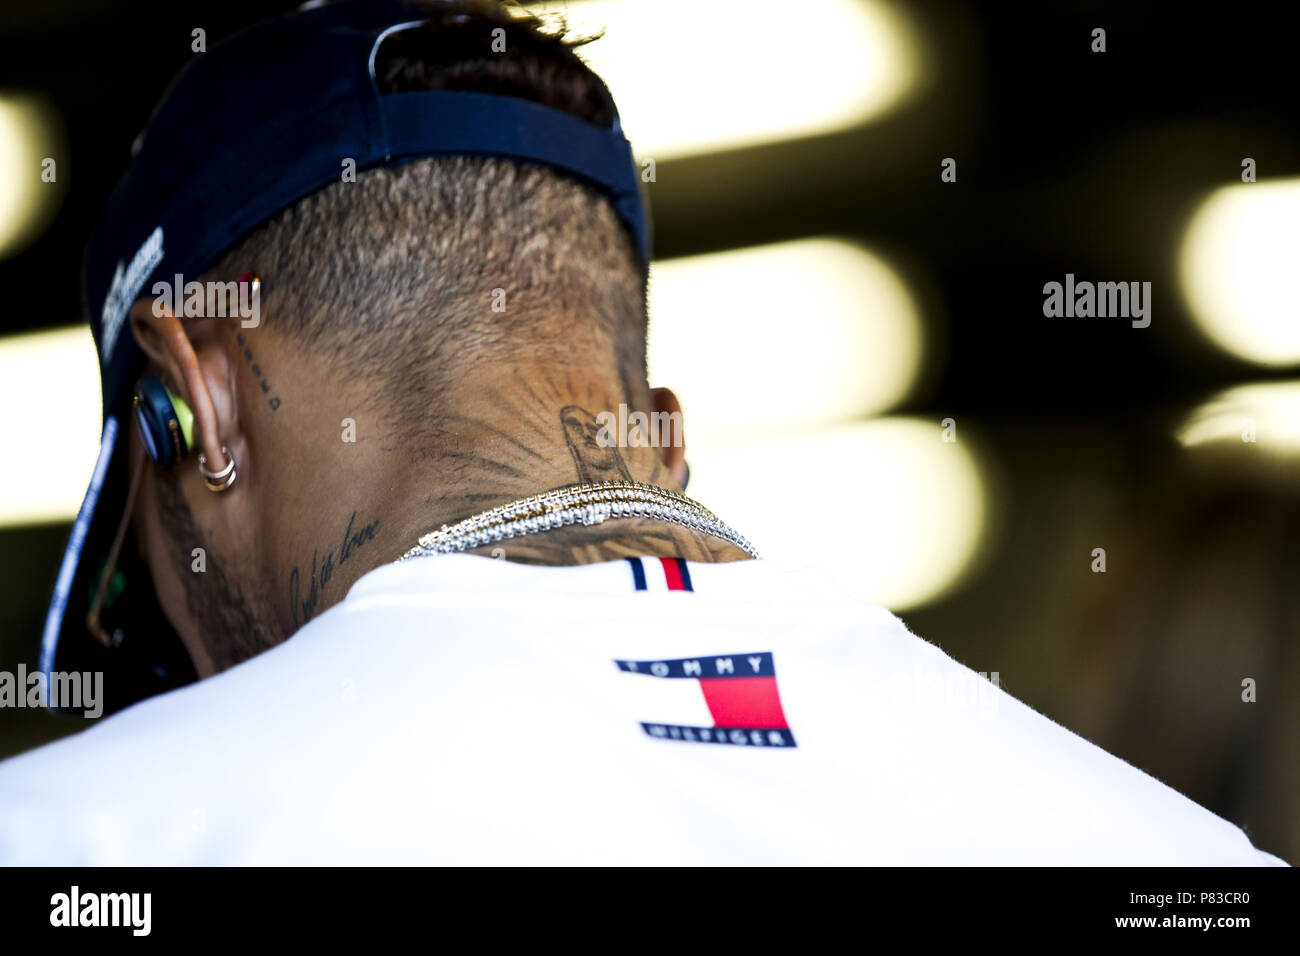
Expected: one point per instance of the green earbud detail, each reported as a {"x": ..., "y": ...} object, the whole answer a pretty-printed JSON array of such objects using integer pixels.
[{"x": 185, "y": 416}]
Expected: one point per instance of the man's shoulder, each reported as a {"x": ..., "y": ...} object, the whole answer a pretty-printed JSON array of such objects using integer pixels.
[{"x": 409, "y": 692}]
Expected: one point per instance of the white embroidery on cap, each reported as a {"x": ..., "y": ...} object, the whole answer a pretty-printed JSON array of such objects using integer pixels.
[{"x": 123, "y": 290}]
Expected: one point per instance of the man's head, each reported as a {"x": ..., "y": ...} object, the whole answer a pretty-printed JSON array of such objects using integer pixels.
[
  {"x": 427, "y": 329},
  {"x": 406, "y": 275}
]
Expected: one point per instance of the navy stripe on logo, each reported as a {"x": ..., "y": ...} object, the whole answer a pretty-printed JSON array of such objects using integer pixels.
[
  {"x": 735, "y": 736},
  {"x": 725, "y": 665},
  {"x": 686, "y": 574},
  {"x": 638, "y": 573}
]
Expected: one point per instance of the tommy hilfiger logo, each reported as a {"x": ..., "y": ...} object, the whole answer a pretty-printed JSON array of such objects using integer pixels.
[{"x": 723, "y": 699}]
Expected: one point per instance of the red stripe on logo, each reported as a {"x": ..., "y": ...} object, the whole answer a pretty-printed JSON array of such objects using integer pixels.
[
  {"x": 673, "y": 573},
  {"x": 744, "y": 702}
]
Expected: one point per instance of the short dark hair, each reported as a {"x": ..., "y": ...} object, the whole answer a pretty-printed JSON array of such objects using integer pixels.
[{"x": 393, "y": 276}]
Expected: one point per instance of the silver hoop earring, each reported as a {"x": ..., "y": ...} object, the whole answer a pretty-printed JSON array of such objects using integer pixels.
[{"x": 218, "y": 480}]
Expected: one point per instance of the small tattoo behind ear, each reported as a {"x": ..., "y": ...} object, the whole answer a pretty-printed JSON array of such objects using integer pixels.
[
  {"x": 256, "y": 368},
  {"x": 593, "y": 459}
]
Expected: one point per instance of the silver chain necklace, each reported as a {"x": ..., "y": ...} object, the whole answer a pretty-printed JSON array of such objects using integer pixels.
[{"x": 586, "y": 504}]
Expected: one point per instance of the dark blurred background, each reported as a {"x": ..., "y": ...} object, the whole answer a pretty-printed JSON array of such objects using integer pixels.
[{"x": 859, "y": 311}]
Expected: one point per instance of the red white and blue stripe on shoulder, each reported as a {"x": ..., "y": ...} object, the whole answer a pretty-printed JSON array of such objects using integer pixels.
[{"x": 660, "y": 574}]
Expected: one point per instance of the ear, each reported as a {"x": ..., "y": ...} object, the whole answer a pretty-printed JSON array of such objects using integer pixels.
[
  {"x": 669, "y": 438},
  {"x": 198, "y": 369}
]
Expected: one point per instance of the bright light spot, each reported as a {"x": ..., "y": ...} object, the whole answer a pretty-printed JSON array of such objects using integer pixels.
[
  {"x": 49, "y": 388},
  {"x": 1239, "y": 258},
  {"x": 1264, "y": 415},
  {"x": 892, "y": 512},
  {"x": 801, "y": 333},
  {"x": 29, "y": 133},
  {"x": 697, "y": 76}
]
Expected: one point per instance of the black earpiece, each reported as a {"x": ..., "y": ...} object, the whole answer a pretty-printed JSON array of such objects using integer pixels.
[{"x": 166, "y": 421}]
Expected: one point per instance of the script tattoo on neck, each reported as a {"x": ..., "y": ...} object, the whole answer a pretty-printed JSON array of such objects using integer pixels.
[
  {"x": 303, "y": 602},
  {"x": 594, "y": 461}
]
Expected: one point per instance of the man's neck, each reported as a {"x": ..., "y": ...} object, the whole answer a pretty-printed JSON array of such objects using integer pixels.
[
  {"x": 503, "y": 441},
  {"x": 504, "y": 467}
]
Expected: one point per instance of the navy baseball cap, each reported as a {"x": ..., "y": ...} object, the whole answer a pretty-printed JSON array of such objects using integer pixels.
[{"x": 248, "y": 128}]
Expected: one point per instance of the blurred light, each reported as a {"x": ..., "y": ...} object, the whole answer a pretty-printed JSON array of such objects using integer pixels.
[
  {"x": 29, "y": 133},
  {"x": 49, "y": 388},
  {"x": 758, "y": 340},
  {"x": 888, "y": 509},
  {"x": 1239, "y": 258},
  {"x": 801, "y": 333},
  {"x": 1268, "y": 413},
  {"x": 695, "y": 76}
]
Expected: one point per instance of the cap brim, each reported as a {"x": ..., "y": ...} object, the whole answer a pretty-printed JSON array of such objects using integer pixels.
[{"x": 147, "y": 657}]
